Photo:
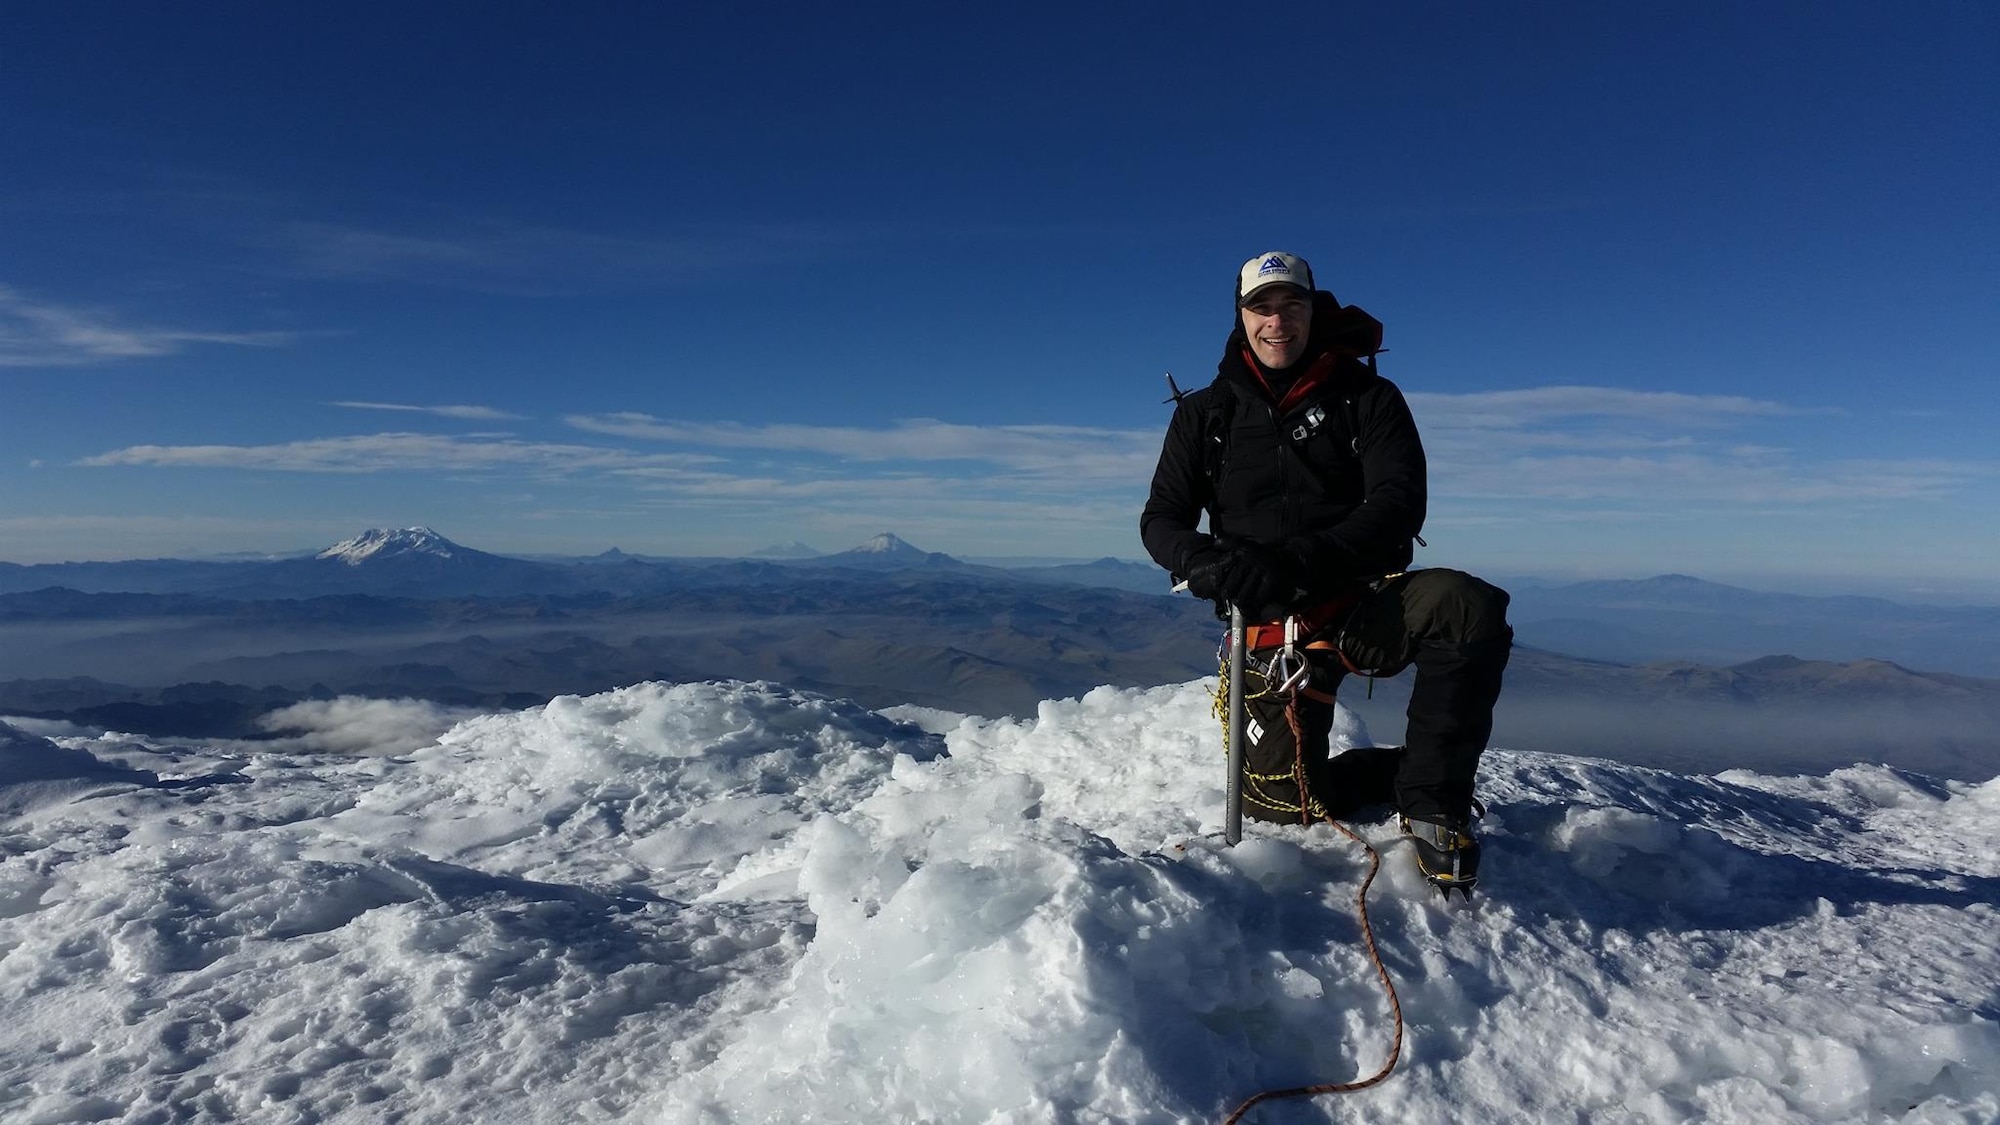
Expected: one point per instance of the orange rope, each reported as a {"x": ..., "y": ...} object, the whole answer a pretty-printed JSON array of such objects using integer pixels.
[
  {"x": 1307, "y": 805},
  {"x": 1375, "y": 955}
]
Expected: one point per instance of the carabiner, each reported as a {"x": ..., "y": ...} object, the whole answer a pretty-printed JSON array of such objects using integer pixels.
[{"x": 1289, "y": 666}]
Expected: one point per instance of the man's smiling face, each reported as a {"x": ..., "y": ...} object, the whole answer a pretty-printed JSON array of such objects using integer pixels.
[{"x": 1276, "y": 322}]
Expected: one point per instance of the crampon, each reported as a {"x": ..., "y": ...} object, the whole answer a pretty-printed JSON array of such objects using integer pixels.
[{"x": 1447, "y": 853}]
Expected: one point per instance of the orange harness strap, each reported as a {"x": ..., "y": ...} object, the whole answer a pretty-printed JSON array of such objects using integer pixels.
[{"x": 1271, "y": 634}]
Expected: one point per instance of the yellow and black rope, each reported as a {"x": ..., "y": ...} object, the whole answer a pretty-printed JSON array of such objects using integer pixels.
[{"x": 1254, "y": 790}]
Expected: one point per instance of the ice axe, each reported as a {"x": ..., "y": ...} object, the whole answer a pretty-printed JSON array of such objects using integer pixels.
[
  {"x": 1232, "y": 812},
  {"x": 1232, "y": 789}
]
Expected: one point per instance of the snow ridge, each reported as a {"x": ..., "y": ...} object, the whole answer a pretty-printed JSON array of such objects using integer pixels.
[{"x": 734, "y": 902}]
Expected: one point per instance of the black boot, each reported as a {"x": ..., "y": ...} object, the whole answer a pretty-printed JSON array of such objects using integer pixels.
[
  {"x": 1359, "y": 778},
  {"x": 1447, "y": 852}
]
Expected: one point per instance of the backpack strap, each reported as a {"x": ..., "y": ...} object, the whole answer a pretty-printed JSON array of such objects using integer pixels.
[{"x": 1215, "y": 424}]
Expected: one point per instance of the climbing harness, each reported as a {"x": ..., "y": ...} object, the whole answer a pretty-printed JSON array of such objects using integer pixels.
[
  {"x": 1257, "y": 677},
  {"x": 1276, "y": 666}
]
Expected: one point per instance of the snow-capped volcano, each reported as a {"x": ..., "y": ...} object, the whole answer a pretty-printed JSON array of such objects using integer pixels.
[
  {"x": 386, "y": 542},
  {"x": 886, "y": 544},
  {"x": 406, "y": 562},
  {"x": 789, "y": 550},
  {"x": 884, "y": 552}
]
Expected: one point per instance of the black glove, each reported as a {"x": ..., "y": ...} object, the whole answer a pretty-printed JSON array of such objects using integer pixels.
[
  {"x": 1207, "y": 572},
  {"x": 1252, "y": 578},
  {"x": 1263, "y": 581}
]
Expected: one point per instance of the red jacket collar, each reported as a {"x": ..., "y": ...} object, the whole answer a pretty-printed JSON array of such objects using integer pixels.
[{"x": 1301, "y": 388}]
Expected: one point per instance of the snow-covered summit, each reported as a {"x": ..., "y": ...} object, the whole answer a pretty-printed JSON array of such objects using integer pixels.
[
  {"x": 732, "y": 902},
  {"x": 886, "y": 544},
  {"x": 884, "y": 552},
  {"x": 383, "y": 542},
  {"x": 793, "y": 549}
]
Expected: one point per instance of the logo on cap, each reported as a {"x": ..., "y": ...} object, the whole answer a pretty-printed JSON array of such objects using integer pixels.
[{"x": 1274, "y": 264}]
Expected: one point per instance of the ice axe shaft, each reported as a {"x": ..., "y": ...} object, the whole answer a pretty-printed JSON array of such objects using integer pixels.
[
  {"x": 1232, "y": 787},
  {"x": 1232, "y": 812}
]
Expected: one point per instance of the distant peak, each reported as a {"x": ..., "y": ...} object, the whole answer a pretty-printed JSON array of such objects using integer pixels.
[
  {"x": 383, "y": 542},
  {"x": 791, "y": 550},
  {"x": 1779, "y": 663},
  {"x": 885, "y": 544}
]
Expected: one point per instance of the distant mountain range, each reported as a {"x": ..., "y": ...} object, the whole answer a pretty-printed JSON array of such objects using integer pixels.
[
  {"x": 391, "y": 561},
  {"x": 1666, "y": 618},
  {"x": 1614, "y": 668},
  {"x": 1779, "y": 713},
  {"x": 417, "y": 562},
  {"x": 407, "y": 611},
  {"x": 1675, "y": 617}
]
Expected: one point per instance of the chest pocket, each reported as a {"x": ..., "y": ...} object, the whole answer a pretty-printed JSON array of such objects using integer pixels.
[
  {"x": 1336, "y": 420},
  {"x": 1324, "y": 441}
]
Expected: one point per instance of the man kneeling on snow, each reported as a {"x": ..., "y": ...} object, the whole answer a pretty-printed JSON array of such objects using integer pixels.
[{"x": 1311, "y": 472}]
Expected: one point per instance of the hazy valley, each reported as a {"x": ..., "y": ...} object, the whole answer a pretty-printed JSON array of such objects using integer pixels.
[{"x": 189, "y": 649}]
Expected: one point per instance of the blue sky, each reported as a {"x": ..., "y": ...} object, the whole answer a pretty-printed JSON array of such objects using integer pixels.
[{"x": 1671, "y": 287}]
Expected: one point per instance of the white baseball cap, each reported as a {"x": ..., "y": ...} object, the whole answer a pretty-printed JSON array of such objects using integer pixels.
[{"x": 1273, "y": 267}]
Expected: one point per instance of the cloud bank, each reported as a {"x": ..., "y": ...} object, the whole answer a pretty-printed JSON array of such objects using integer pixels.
[
  {"x": 1568, "y": 444},
  {"x": 1550, "y": 457},
  {"x": 352, "y": 724}
]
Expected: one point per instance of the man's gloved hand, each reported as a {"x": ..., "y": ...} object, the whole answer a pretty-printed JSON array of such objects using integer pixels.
[
  {"x": 1207, "y": 573},
  {"x": 1262, "y": 581},
  {"x": 1248, "y": 576}
]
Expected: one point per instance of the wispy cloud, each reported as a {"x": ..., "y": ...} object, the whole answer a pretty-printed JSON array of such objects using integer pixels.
[
  {"x": 1546, "y": 455},
  {"x": 515, "y": 259},
  {"x": 1565, "y": 443},
  {"x": 1076, "y": 452},
  {"x": 392, "y": 452},
  {"x": 1542, "y": 405},
  {"x": 473, "y": 413},
  {"x": 38, "y": 334}
]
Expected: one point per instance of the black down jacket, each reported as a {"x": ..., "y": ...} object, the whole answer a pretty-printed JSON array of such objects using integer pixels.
[{"x": 1336, "y": 479}]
